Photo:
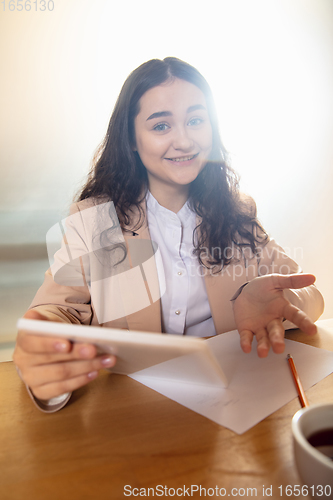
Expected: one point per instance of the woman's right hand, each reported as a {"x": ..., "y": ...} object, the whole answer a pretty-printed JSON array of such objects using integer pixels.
[{"x": 52, "y": 366}]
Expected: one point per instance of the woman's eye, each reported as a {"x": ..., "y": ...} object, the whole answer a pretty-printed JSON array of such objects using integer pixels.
[
  {"x": 195, "y": 121},
  {"x": 160, "y": 127}
]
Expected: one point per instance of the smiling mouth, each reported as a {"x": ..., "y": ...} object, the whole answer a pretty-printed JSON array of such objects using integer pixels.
[{"x": 183, "y": 158}]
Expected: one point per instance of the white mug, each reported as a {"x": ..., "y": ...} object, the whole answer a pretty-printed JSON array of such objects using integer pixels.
[{"x": 314, "y": 467}]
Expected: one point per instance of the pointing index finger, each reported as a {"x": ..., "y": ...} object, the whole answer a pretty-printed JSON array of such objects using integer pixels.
[{"x": 300, "y": 280}]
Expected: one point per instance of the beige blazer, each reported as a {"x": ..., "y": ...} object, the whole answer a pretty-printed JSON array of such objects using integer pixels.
[{"x": 77, "y": 304}]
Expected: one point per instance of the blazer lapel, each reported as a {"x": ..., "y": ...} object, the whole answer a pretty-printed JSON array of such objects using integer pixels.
[{"x": 141, "y": 255}]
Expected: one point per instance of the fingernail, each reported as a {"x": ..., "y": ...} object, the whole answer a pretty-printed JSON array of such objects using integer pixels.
[
  {"x": 92, "y": 375},
  {"x": 107, "y": 362},
  {"x": 61, "y": 346}
]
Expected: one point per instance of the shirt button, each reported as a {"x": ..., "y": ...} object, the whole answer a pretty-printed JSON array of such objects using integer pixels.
[
  {"x": 179, "y": 273},
  {"x": 177, "y": 312}
]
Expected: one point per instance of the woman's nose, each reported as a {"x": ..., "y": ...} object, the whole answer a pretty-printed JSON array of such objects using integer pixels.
[{"x": 182, "y": 141}]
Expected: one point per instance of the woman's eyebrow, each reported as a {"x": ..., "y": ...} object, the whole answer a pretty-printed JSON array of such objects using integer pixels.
[
  {"x": 195, "y": 108},
  {"x": 160, "y": 114}
]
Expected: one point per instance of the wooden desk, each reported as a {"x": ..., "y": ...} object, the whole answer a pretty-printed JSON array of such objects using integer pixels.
[{"x": 117, "y": 432}]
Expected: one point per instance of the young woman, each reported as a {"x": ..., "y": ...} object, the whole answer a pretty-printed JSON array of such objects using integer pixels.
[{"x": 161, "y": 240}]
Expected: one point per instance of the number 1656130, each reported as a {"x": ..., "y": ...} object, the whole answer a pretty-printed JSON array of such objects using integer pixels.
[
  {"x": 27, "y": 5},
  {"x": 297, "y": 490}
]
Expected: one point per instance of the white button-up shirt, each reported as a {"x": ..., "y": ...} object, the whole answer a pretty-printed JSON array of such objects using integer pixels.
[{"x": 185, "y": 306}]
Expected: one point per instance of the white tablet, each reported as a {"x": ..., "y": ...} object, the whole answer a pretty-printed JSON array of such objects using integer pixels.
[{"x": 136, "y": 351}]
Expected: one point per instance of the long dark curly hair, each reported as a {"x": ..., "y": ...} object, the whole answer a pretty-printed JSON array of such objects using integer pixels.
[{"x": 227, "y": 220}]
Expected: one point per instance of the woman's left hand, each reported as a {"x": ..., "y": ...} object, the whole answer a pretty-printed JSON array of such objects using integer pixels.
[{"x": 261, "y": 308}]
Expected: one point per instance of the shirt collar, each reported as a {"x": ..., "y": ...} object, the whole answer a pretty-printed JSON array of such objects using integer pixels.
[{"x": 185, "y": 215}]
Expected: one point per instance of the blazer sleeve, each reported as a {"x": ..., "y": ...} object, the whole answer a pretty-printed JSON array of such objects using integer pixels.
[
  {"x": 65, "y": 303},
  {"x": 65, "y": 295}
]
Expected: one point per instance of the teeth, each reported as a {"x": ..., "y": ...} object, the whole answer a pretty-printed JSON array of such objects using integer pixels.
[{"x": 184, "y": 158}]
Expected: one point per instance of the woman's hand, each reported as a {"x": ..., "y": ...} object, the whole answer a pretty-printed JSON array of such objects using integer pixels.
[
  {"x": 53, "y": 366},
  {"x": 261, "y": 308}
]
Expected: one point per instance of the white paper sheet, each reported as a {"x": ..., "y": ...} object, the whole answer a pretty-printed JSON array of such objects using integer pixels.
[{"x": 257, "y": 387}]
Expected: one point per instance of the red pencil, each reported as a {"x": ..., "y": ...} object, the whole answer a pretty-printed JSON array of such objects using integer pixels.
[{"x": 298, "y": 383}]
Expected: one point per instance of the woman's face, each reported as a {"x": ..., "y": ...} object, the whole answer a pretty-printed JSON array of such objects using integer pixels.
[{"x": 173, "y": 134}]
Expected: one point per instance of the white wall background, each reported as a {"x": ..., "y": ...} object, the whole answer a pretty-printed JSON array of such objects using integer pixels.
[{"x": 269, "y": 62}]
